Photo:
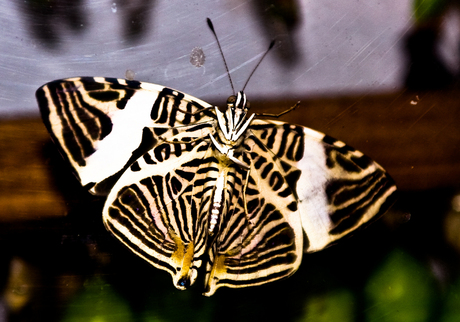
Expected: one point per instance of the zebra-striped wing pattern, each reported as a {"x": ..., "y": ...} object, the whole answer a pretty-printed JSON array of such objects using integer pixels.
[
  {"x": 157, "y": 208},
  {"x": 337, "y": 188},
  {"x": 305, "y": 191},
  {"x": 160, "y": 210},
  {"x": 99, "y": 123},
  {"x": 189, "y": 186}
]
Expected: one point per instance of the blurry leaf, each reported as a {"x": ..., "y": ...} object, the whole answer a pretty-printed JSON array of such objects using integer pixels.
[
  {"x": 98, "y": 302},
  {"x": 19, "y": 286},
  {"x": 338, "y": 305},
  {"x": 179, "y": 306},
  {"x": 429, "y": 9},
  {"x": 451, "y": 312},
  {"x": 401, "y": 289}
]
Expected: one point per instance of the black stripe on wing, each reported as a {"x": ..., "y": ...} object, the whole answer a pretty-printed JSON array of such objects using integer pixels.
[
  {"x": 351, "y": 199},
  {"x": 79, "y": 114},
  {"x": 333, "y": 182},
  {"x": 159, "y": 216},
  {"x": 68, "y": 117}
]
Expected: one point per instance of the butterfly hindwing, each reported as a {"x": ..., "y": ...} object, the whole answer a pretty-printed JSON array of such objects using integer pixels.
[
  {"x": 261, "y": 238},
  {"x": 95, "y": 119},
  {"x": 155, "y": 208},
  {"x": 338, "y": 189}
]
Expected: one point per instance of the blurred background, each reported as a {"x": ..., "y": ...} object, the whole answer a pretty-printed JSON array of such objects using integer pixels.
[{"x": 381, "y": 76}]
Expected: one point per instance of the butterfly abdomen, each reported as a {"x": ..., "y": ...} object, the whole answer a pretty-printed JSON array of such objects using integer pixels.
[{"x": 215, "y": 212}]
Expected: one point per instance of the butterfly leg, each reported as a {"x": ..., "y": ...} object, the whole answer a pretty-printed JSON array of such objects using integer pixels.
[
  {"x": 181, "y": 142},
  {"x": 279, "y": 114},
  {"x": 193, "y": 113},
  {"x": 246, "y": 213},
  {"x": 228, "y": 151}
]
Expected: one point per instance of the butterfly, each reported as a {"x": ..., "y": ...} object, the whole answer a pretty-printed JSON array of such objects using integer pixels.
[{"x": 189, "y": 186}]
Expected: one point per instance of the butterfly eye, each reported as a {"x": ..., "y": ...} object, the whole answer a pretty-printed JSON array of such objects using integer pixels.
[{"x": 231, "y": 100}]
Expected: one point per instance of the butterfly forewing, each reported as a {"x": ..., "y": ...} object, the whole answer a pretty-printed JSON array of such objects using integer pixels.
[
  {"x": 95, "y": 119},
  {"x": 338, "y": 189}
]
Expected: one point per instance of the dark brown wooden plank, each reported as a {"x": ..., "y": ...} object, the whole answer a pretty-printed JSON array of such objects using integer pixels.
[{"x": 26, "y": 186}]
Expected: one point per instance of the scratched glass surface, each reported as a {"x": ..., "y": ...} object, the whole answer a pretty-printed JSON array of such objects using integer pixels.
[
  {"x": 341, "y": 55},
  {"x": 322, "y": 47}
]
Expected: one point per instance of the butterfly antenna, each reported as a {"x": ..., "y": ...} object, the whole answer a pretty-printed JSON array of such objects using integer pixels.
[
  {"x": 252, "y": 73},
  {"x": 211, "y": 26}
]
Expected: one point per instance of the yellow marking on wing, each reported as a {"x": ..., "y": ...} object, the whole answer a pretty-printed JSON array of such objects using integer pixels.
[{"x": 183, "y": 255}]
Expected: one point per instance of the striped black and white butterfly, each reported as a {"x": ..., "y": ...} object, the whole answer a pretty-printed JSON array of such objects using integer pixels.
[{"x": 189, "y": 186}]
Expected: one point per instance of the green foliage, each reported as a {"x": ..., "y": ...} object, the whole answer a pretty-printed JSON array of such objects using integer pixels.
[
  {"x": 98, "y": 302},
  {"x": 337, "y": 305},
  {"x": 400, "y": 290},
  {"x": 179, "y": 306},
  {"x": 451, "y": 308},
  {"x": 429, "y": 9}
]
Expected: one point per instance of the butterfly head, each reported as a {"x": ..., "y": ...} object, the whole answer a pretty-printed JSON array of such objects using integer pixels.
[
  {"x": 234, "y": 122},
  {"x": 238, "y": 102},
  {"x": 237, "y": 108}
]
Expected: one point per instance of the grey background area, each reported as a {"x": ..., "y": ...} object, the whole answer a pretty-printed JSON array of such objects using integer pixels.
[{"x": 323, "y": 47}]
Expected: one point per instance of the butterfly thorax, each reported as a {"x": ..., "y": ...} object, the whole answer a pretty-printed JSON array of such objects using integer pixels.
[{"x": 232, "y": 125}]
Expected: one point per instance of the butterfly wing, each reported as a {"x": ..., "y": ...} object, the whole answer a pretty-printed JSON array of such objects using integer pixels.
[
  {"x": 99, "y": 124},
  {"x": 337, "y": 188},
  {"x": 158, "y": 208},
  {"x": 260, "y": 240}
]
